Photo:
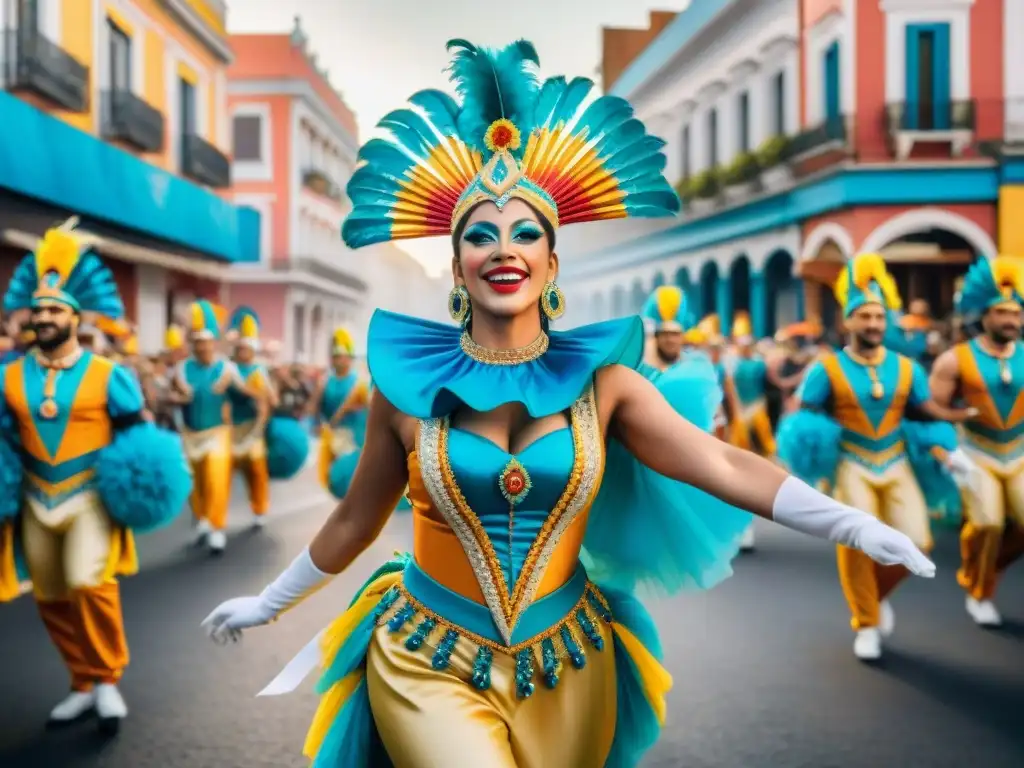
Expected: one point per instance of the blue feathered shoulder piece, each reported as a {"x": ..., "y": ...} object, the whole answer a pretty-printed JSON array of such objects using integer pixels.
[
  {"x": 807, "y": 443},
  {"x": 646, "y": 529},
  {"x": 287, "y": 447},
  {"x": 940, "y": 490},
  {"x": 143, "y": 478}
]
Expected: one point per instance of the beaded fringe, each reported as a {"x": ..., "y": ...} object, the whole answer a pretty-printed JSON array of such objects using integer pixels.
[{"x": 398, "y": 609}]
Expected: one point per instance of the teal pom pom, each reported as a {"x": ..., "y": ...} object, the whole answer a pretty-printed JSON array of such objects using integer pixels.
[
  {"x": 10, "y": 480},
  {"x": 808, "y": 444},
  {"x": 143, "y": 478},
  {"x": 940, "y": 491},
  {"x": 342, "y": 470},
  {"x": 287, "y": 447}
]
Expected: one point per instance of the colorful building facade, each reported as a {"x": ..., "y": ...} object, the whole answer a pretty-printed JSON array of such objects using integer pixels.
[
  {"x": 116, "y": 111},
  {"x": 295, "y": 142},
  {"x": 803, "y": 131}
]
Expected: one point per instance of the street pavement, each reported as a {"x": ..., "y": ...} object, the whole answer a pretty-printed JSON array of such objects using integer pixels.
[{"x": 764, "y": 674}]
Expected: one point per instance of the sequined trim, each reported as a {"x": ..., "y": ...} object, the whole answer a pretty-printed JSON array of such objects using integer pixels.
[
  {"x": 526, "y": 354},
  {"x": 439, "y": 479}
]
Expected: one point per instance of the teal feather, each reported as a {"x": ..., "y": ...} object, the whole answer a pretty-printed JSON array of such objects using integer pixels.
[
  {"x": 91, "y": 283},
  {"x": 440, "y": 109},
  {"x": 412, "y": 131},
  {"x": 979, "y": 290},
  {"x": 22, "y": 286},
  {"x": 240, "y": 314}
]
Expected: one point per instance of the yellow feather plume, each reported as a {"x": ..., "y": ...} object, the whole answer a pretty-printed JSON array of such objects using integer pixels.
[
  {"x": 669, "y": 299},
  {"x": 1008, "y": 274},
  {"x": 198, "y": 318},
  {"x": 131, "y": 345},
  {"x": 741, "y": 325},
  {"x": 248, "y": 329},
  {"x": 695, "y": 336},
  {"x": 711, "y": 325},
  {"x": 174, "y": 338},
  {"x": 58, "y": 252},
  {"x": 868, "y": 268},
  {"x": 343, "y": 341}
]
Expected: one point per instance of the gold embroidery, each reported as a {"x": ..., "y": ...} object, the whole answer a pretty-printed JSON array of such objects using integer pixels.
[{"x": 531, "y": 351}]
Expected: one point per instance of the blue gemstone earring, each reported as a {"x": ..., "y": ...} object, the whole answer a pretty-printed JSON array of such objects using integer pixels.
[
  {"x": 552, "y": 300},
  {"x": 458, "y": 304}
]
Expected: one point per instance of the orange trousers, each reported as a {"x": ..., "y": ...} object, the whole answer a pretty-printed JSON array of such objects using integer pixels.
[
  {"x": 257, "y": 480},
  {"x": 211, "y": 489}
]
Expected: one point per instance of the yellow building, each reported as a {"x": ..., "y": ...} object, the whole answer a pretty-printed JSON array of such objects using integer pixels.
[{"x": 116, "y": 110}]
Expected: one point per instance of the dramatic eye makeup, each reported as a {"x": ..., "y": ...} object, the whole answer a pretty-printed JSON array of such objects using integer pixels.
[
  {"x": 526, "y": 231},
  {"x": 481, "y": 233}
]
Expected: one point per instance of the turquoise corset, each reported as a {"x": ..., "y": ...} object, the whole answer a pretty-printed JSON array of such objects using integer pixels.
[
  {"x": 209, "y": 394},
  {"x": 999, "y": 429},
  {"x": 749, "y": 378},
  {"x": 477, "y": 464},
  {"x": 243, "y": 407},
  {"x": 335, "y": 391}
]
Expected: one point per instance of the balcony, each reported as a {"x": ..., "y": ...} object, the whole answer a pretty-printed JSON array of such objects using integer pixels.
[
  {"x": 203, "y": 162},
  {"x": 909, "y": 124},
  {"x": 126, "y": 117},
  {"x": 40, "y": 66},
  {"x": 328, "y": 270},
  {"x": 319, "y": 183}
]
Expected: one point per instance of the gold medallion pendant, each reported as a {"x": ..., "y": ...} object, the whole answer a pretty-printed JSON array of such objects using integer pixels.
[
  {"x": 48, "y": 409},
  {"x": 877, "y": 390}
]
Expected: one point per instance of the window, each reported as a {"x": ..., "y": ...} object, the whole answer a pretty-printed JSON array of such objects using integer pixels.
[
  {"x": 743, "y": 116},
  {"x": 119, "y": 53},
  {"x": 186, "y": 114},
  {"x": 299, "y": 328},
  {"x": 779, "y": 104},
  {"x": 248, "y": 137},
  {"x": 686, "y": 152},
  {"x": 831, "y": 64},
  {"x": 928, "y": 77},
  {"x": 712, "y": 138}
]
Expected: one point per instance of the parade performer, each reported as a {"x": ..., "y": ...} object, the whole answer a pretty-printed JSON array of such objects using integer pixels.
[
  {"x": 340, "y": 403},
  {"x": 203, "y": 382},
  {"x": 728, "y": 425},
  {"x": 749, "y": 375},
  {"x": 499, "y": 427},
  {"x": 86, "y": 472},
  {"x": 863, "y": 453},
  {"x": 988, "y": 374},
  {"x": 250, "y": 413}
]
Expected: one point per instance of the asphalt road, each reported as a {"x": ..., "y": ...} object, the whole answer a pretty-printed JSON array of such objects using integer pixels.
[{"x": 764, "y": 674}]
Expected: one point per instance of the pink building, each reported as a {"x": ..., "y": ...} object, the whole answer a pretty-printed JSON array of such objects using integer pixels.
[{"x": 295, "y": 144}]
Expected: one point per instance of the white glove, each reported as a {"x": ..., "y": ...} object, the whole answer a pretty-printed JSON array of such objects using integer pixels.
[
  {"x": 296, "y": 583},
  {"x": 963, "y": 470},
  {"x": 798, "y": 506}
]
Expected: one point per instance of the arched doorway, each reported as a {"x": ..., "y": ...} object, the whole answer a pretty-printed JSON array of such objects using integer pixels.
[
  {"x": 824, "y": 255},
  {"x": 782, "y": 291},
  {"x": 618, "y": 301},
  {"x": 708, "y": 288},
  {"x": 739, "y": 284},
  {"x": 637, "y": 297}
]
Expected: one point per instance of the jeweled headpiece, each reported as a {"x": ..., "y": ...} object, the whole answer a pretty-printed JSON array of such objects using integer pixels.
[
  {"x": 665, "y": 309},
  {"x": 511, "y": 137},
  {"x": 246, "y": 323},
  {"x": 63, "y": 270},
  {"x": 990, "y": 283},
  {"x": 865, "y": 280}
]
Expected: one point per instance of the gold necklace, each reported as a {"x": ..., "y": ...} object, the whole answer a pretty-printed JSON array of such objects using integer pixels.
[
  {"x": 48, "y": 408},
  {"x": 531, "y": 351},
  {"x": 1003, "y": 358},
  {"x": 877, "y": 388}
]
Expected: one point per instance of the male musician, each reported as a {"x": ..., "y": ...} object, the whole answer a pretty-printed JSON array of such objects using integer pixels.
[{"x": 987, "y": 373}]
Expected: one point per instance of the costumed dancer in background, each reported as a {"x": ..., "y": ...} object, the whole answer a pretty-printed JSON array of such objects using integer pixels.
[
  {"x": 851, "y": 432},
  {"x": 664, "y": 312},
  {"x": 727, "y": 421},
  {"x": 492, "y": 645},
  {"x": 797, "y": 342},
  {"x": 987, "y": 373},
  {"x": 203, "y": 382},
  {"x": 79, "y": 471},
  {"x": 340, "y": 403},
  {"x": 250, "y": 413}
]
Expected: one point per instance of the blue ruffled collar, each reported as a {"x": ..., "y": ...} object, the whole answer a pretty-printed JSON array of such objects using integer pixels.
[{"x": 422, "y": 369}]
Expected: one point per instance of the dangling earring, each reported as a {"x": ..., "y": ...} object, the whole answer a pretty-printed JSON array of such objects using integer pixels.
[
  {"x": 458, "y": 304},
  {"x": 552, "y": 300}
]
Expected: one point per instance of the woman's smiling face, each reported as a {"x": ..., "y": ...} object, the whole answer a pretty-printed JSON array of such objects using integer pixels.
[{"x": 504, "y": 259}]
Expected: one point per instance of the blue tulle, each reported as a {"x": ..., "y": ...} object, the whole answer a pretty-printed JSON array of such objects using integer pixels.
[
  {"x": 143, "y": 478},
  {"x": 349, "y": 741},
  {"x": 342, "y": 470},
  {"x": 11, "y": 475},
  {"x": 645, "y": 528},
  {"x": 808, "y": 444},
  {"x": 940, "y": 491},
  {"x": 287, "y": 447}
]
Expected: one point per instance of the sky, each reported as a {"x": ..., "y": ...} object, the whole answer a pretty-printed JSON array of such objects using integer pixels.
[{"x": 379, "y": 52}]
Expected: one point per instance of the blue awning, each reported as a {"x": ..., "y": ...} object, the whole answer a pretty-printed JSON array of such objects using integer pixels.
[{"x": 44, "y": 158}]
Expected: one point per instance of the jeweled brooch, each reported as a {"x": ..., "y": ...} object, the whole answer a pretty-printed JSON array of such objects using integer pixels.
[{"x": 514, "y": 482}]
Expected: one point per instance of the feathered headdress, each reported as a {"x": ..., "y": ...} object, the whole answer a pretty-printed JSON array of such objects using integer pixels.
[
  {"x": 865, "y": 280},
  {"x": 174, "y": 338},
  {"x": 665, "y": 309},
  {"x": 991, "y": 282},
  {"x": 742, "y": 330},
  {"x": 246, "y": 323},
  {"x": 342, "y": 343},
  {"x": 511, "y": 137},
  {"x": 63, "y": 270},
  {"x": 801, "y": 332},
  {"x": 207, "y": 319},
  {"x": 695, "y": 337},
  {"x": 711, "y": 327}
]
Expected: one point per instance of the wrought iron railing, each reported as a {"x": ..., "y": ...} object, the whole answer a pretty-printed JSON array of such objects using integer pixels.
[
  {"x": 34, "y": 63},
  {"x": 930, "y": 116},
  {"x": 129, "y": 118},
  {"x": 831, "y": 131},
  {"x": 202, "y": 161},
  {"x": 319, "y": 182}
]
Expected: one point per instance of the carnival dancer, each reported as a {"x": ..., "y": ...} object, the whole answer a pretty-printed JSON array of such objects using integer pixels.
[
  {"x": 863, "y": 454},
  {"x": 988, "y": 374},
  {"x": 250, "y": 413},
  {"x": 499, "y": 427},
  {"x": 749, "y": 375},
  {"x": 203, "y": 383},
  {"x": 340, "y": 403},
  {"x": 728, "y": 425},
  {"x": 87, "y": 472}
]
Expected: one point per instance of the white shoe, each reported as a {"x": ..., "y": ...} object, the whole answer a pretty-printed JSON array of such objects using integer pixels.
[
  {"x": 886, "y": 619},
  {"x": 200, "y": 531},
  {"x": 984, "y": 613},
  {"x": 259, "y": 521},
  {"x": 110, "y": 707},
  {"x": 867, "y": 646},
  {"x": 747, "y": 542},
  {"x": 77, "y": 704},
  {"x": 216, "y": 541}
]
